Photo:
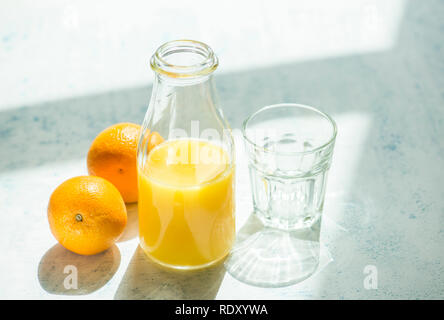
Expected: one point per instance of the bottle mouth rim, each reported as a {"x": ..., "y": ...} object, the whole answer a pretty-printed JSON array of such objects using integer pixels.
[{"x": 206, "y": 62}]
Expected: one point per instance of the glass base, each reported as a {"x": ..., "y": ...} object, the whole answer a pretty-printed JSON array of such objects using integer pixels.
[
  {"x": 270, "y": 257},
  {"x": 172, "y": 267},
  {"x": 288, "y": 225}
]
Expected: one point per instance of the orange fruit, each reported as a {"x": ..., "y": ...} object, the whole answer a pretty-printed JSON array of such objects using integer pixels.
[
  {"x": 112, "y": 156},
  {"x": 155, "y": 139},
  {"x": 86, "y": 214}
]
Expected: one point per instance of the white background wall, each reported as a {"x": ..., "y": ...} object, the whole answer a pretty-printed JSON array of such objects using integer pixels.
[{"x": 52, "y": 49}]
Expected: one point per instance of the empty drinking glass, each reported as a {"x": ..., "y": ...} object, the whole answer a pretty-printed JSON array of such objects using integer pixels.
[{"x": 289, "y": 149}]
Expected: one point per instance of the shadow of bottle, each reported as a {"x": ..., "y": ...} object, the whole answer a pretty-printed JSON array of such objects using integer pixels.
[
  {"x": 91, "y": 272},
  {"x": 146, "y": 280}
]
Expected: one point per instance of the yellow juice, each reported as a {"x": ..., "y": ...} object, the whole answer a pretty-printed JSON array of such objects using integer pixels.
[{"x": 186, "y": 204}]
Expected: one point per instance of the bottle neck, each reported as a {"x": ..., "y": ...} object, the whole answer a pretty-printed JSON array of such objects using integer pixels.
[
  {"x": 184, "y": 61},
  {"x": 183, "y": 82}
]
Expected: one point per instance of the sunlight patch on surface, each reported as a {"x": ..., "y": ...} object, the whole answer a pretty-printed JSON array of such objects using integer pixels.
[{"x": 353, "y": 131}]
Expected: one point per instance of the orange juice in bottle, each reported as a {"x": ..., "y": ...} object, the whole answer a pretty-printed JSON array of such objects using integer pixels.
[{"x": 186, "y": 209}]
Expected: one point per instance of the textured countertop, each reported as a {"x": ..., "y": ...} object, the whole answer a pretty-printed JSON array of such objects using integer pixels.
[{"x": 385, "y": 201}]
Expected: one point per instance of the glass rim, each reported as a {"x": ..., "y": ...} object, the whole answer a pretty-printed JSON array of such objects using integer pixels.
[
  {"x": 302, "y": 106},
  {"x": 208, "y": 64}
]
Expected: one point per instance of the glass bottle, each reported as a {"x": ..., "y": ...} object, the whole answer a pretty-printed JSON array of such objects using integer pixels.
[{"x": 185, "y": 162}]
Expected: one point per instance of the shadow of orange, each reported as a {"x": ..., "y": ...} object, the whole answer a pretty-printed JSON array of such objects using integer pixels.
[{"x": 93, "y": 272}]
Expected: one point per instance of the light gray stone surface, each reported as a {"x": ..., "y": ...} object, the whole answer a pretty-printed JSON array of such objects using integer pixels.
[{"x": 384, "y": 203}]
